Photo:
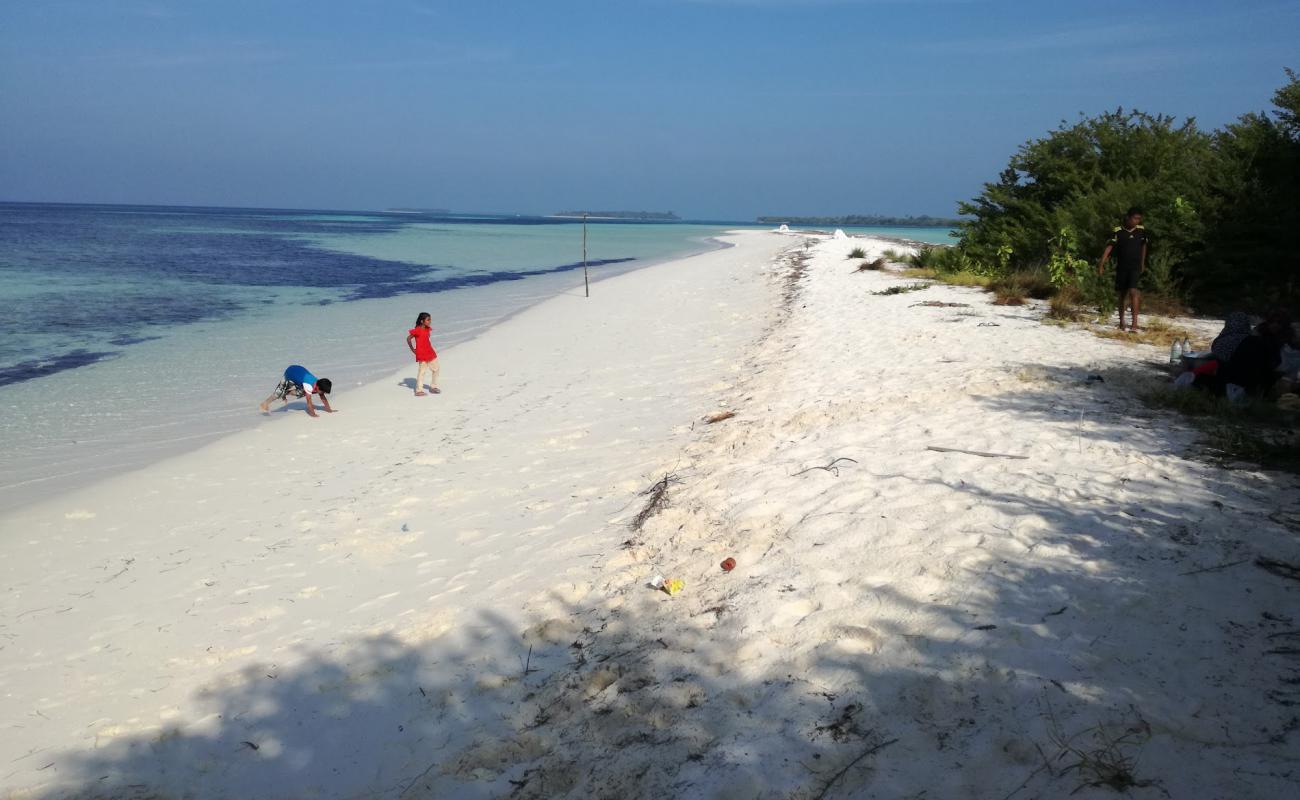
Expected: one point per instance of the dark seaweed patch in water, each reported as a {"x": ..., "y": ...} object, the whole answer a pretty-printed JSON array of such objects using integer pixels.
[
  {"x": 27, "y": 370},
  {"x": 173, "y": 266},
  {"x": 127, "y": 339},
  {"x": 373, "y": 290}
]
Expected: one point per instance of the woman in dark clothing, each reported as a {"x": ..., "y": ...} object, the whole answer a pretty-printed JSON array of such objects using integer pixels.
[
  {"x": 1253, "y": 363},
  {"x": 1236, "y": 329}
]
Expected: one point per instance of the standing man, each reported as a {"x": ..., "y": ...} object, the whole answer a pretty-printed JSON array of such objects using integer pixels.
[{"x": 1129, "y": 244}]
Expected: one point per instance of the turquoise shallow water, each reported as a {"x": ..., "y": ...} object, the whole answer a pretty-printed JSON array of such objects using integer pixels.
[{"x": 129, "y": 334}]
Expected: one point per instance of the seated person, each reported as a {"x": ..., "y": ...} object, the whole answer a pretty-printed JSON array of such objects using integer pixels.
[
  {"x": 1236, "y": 328},
  {"x": 1249, "y": 359}
]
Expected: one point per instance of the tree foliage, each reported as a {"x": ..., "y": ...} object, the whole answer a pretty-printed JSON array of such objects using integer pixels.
[{"x": 1222, "y": 206}]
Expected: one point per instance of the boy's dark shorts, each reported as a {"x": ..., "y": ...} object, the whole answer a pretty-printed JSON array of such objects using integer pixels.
[
  {"x": 288, "y": 389},
  {"x": 1126, "y": 279}
]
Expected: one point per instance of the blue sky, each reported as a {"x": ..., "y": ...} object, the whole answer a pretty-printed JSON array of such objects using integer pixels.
[{"x": 721, "y": 109}]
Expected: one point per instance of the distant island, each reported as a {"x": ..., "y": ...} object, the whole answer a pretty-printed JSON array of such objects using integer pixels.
[
  {"x": 659, "y": 216},
  {"x": 418, "y": 211},
  {"x": 865, "y": 220}
]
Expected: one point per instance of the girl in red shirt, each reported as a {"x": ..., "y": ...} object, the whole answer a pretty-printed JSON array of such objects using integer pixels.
[{"x": 417, "y": 339}]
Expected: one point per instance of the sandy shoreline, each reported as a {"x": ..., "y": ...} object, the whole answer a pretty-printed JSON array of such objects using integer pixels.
[
  {"x": 311, "y": 611},
  {"x": 66, "y": 439},
  {"x": 126, "y": 601}
]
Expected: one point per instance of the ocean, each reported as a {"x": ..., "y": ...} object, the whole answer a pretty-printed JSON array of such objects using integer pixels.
[{"x": 130, "y": 333}]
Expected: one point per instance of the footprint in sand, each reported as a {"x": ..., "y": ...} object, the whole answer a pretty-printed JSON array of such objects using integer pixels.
[
  {"x": 380, "y": 600},
  {"x": 264, "y": 614},
  {"x": 463, "y": 576},
  {"x": 857, "y": 638}
]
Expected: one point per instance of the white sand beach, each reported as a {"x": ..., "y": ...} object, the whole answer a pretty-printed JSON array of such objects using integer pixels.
[{"x": 442, "y": 597}]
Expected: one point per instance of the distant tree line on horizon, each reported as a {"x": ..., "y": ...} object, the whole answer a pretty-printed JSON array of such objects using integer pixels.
[
  {"x": 1222, "y": 206},
  {"x": 646, "y": 215},
  {"x": 865, "y": 220}
]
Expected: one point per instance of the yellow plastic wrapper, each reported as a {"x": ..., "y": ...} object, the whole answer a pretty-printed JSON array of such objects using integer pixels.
[{"x": 674, "y": 585}]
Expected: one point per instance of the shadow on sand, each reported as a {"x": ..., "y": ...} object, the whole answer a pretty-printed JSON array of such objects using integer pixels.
[{"x": 1058, "y": 678}]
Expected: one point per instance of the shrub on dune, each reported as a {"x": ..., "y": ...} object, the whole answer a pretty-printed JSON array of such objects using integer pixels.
[
  {"x": 878, "y": 264},
  {"x": 1065, "y": 304}
]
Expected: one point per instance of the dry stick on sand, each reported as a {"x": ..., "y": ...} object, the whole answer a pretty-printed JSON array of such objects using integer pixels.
[
  {"x": 528, "y": 665},
  {"x": 718, "y": 417},
  {"x": 831, "y": 467},
  {"x": 875, "y": 748},
  {"x": 658, "y": 494},
  {"x": 1215, "y": 568},
  {"x": 979, "y": 453}
]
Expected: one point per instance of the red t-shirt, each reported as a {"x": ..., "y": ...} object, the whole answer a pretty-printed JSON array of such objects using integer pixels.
[{"x": 423, "y": 350}]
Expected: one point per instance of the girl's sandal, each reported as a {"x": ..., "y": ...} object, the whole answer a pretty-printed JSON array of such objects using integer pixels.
[{"x": 419, "y": 394}]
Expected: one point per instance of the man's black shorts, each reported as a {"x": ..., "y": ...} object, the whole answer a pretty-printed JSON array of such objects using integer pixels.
[{"x": 1126, "y": 279}]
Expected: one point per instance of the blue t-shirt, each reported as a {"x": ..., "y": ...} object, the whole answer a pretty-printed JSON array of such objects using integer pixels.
[{"x": 299, "y": 375}]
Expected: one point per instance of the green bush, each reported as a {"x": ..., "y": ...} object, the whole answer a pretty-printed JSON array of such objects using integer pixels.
[
  {"x": 1160, "y": 276},
  {"x": 923, "y": 258},
  {"x": 857, "y": 252},
  {"x": 1099, "y": 292},
  {"x": 1023, "y": 284},
  {"x": 1221, "y": 206},
  {"x": 964, "y": 278}
]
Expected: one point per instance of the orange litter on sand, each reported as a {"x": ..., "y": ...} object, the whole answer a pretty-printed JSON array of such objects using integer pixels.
[{"x": 728, "y": 565}]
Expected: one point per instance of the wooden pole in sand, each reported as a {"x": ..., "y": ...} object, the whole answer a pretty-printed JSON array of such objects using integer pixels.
[{"x": 586, "y": 285}]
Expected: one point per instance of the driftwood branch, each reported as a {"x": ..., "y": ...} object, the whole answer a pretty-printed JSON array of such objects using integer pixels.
[
  {"x": 832, "y": 467},
  {"x": 979, "y": 453},
  {"x": 718, "y": 417}
]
